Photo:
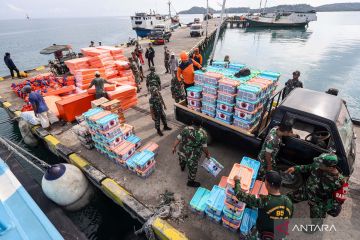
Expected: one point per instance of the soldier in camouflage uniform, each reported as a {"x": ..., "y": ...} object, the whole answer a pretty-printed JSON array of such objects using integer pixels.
[
  {"x": 193, "y": 141},
  {"x": 177, "y": 90},
  {"x": 153, "y": 80},
  {"x": 271, "y": 146},
  {"x": 272, "y": 208},
  {"x": 318, "y": 190},
  {"x": 157, "y": 107},
  {"x": 293, "y": 83},
  {"x": 135, "y": 70}
]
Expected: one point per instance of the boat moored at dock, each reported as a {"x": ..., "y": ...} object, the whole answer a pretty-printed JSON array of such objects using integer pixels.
[{"x": 280, "y": 19}]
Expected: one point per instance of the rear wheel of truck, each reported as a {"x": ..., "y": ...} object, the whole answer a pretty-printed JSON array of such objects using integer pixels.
[{"x": 292, "y": 181}]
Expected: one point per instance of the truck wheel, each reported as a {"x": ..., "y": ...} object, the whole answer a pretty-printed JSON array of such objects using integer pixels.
[{"x": 292, "y": 181}]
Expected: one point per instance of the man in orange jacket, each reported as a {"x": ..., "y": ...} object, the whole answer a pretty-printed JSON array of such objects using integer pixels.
[
  {"x": 185, "y": 70},
  {"x": 198, "y": 58}
]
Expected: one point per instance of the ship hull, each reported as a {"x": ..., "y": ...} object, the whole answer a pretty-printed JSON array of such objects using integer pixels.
[{"x": 252, "y": 24}]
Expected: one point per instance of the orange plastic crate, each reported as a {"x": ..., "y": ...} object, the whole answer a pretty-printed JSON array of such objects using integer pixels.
[{"x": 244, "y": 172}]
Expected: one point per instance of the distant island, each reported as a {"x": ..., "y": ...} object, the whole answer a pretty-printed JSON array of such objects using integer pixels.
[{"x": 298, "y": 7}]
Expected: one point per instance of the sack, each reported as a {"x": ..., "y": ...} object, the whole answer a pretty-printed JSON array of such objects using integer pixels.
[
  {"x": 243, "y": 73},
  {"x": 30, "y": 117}
]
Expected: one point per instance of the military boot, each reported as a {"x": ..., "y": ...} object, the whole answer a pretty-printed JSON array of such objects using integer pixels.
[
  {"x": 167, "y": 128},
  {"x": 193, "y": 184},
  {"x": 160, "y": 132}
]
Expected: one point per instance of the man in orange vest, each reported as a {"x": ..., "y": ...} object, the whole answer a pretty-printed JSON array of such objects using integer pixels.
[
  {"x": 198, "y": 58},
  {"x": 185, "y": 70}
]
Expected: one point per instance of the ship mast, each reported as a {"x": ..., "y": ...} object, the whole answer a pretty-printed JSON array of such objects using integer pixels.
[{"x": 169, "y": 3}]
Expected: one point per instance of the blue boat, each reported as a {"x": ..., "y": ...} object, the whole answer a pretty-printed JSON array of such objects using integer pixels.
[{"x": 20, "y": 216}]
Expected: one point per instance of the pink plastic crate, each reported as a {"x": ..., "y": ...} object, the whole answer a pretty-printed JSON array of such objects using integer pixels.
[
  {"x": 127, "y": 130},
  {"x": 212, "y": 78},
  {"x": 151, "y": 146},
  {"x": 124, "y": 150},
  {"x": 228, "y": 86}
]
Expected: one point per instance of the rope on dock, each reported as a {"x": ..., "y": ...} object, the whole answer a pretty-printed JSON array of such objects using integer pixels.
[{"x": 16, "y": 149}]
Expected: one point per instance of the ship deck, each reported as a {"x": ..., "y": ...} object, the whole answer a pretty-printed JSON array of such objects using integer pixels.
[{"x": 167, "y": 175}]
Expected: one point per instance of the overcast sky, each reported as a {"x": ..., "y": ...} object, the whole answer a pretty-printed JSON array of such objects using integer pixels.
[{"x": 89, "y": 8}]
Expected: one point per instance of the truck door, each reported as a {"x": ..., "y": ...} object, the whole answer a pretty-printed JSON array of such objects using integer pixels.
[{"x": 302, "y": 150}]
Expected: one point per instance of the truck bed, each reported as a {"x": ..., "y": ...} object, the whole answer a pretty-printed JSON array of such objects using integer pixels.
[{"x": 218, "y": 129}]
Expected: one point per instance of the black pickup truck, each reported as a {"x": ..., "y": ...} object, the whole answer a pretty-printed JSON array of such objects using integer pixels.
[
  {"x": 321, "y": 120},
  {"x": 159, "y": 37}
]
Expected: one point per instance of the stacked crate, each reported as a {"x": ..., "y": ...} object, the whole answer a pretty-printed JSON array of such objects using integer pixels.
[
  {"x": 210, "y": 93},
  {"x": 194, "y": 94},
  {"x": 233, "y": 100},
  {"x": 226, "y": 100},
  {"x": 215, "y": 204},
  {"x": 118, "y": 142},
  {"x": 199, "y": 200}
]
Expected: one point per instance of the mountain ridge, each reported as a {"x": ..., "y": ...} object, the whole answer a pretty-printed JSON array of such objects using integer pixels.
[{"x": 334, "y": 7}]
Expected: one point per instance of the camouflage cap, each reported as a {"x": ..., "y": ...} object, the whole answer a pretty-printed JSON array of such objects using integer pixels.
[
  {"x": 327, "y": 159},
  {"x": 152, "y": 68}
]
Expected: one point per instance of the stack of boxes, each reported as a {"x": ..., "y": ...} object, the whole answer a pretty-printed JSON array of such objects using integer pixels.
[
  {"x": 117, "y": 141},
  {"x": 233, "y": 100},
  {"x": 194, "y": 98},
  {"x": 215, "y": 204},
  {"x": 221, "y": 205}
]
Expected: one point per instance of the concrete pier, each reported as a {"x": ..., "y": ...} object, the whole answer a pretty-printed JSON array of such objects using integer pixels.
[{"x": 138, "y": 196}]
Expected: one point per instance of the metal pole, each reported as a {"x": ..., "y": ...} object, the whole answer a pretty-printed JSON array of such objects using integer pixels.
[
  {"x": 207, "y": 17},
  {"x": 260, "y": 6},
  {"x": 218, "y": 30}
]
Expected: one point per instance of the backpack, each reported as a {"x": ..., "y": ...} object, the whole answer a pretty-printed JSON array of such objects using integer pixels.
[{"x": 243, "y": 73}]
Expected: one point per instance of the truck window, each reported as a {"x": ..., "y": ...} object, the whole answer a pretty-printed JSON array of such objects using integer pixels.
[
  {"x": 313, "y": 133},
  {"x": 195, "y": 27},
  {"x": 345, "y": 128}
]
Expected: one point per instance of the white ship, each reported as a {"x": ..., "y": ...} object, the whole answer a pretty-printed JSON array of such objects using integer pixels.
[
  {"x": 143, "y": 23},
  {"x": 280, "y": 19}
]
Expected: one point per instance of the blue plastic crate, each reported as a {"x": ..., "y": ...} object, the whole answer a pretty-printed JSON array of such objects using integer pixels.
[
  {"x": 220, "y": 64},
  {"x": 207, "y": 113},
  {"x": 209, "y": 98},
  {"x": 213, "y": 217},
  {"x": 270, "y": 75},
  {"x": 254, "y": 164},
  {"x": 198, "y": 201},
  {"x": 246, "y": 125},
  {"x": 208, "y": 107},
  {"x": 92, "y": 112},
  {"x": 131, "y": 162},
  {"x": 107, "y": 122},
  {"x": 224, "y": 116},
  {"x": 248, "y": 220},
  {"x": 216, "y": 200},
  {"x": 194, "y": 92},
  {"x": 224, "y": 106},
  {"x": 236, "y": 66},
  {"x": 142, "y": 159},
  {"x": 135, "y": 140},
  {"x": 246, "y": 105}
]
